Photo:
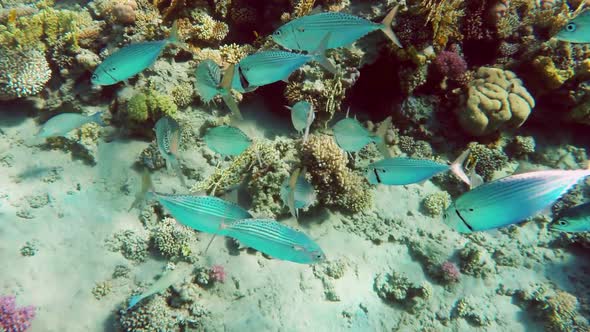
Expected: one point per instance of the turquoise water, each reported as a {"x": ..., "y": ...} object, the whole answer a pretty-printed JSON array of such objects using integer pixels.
[{"x": 362, "y": 257}]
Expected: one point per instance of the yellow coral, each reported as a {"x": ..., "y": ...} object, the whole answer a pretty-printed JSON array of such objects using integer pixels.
[
  {"x": 444, "y": 16},
  {"x": 207, "y": 29},
  {"x": 336, "y": 184},
  {"x": 551, "y": 77},
  {"x": 496, "y": 99},
  {"x": 233, "y": 53},
  {"x": 302, "y": 8}
]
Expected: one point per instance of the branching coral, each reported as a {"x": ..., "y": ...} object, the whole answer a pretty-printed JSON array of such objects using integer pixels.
[
  {"x": 336, "y": 184},
  {"x": 444, "y": 16},
  {"x": 172, "y": 239},
  {"x": 496, "y": 100},
  {"x": 206, "y": 28}
]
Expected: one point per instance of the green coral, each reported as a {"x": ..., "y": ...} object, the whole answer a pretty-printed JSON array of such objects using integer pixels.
[{"x": 149, "y": 104}]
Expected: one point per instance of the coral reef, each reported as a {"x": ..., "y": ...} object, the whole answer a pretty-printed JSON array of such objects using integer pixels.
[
  {"x": 336, "y": 184},
  {"x": 556, "y": 308},
  {"x": 476, "y": 261},
  {"x": 397, "y": 288},
  {"x": 487, "y": 160},
  {"x": 172, "y": 239},
  {"x": 477, "y": 311},
  {"x": 149, "y": 104},
  {"x": 131, "y": 245},
  {"x": 81, "y": 143},
  {"x": 449, "y": 272},
  {"x": 435, "y": 204},
  {"x": 29, "y": 249},
  {"x": 13, "y": 319},
  {"x": 496, "y": 100},
  {"x": 217, "y": 273},
  {"x": 153, "y": 315},
  {"x": 22, "y": 73},
  {"x": 102, "y": 289}
]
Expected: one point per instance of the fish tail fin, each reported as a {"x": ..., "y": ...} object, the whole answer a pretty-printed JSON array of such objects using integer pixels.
[
  {"x": 320, "y": 55},
  {"x": 381, "y": 132},
  {"x": 176, "y": 166},
  {"x": 225, "y": 90},
  {"x": 147, "y": 187},
  {"x": 97, "y": 117},
  {"x": 174, "y": 38},
  {"x": 386, "y": 28},
  {"x": 457, "y": 167},
  {"x": 133, "y": 301}
]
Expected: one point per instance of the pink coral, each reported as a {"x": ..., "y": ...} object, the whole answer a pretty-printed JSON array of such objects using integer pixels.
[
  {"x": 449, "y": 272},
  {"x": 13, "y": 319},
  {"x": 451, "y": 65},
  {"x": 217, "y": 273}
]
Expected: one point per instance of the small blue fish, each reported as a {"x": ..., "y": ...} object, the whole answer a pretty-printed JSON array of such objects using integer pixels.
[
  {"x": 131, "y": 60},
  {"x": 210, "y": 85},
  {"x": 403, "y": 171},
  {"x": 573, "y": 220},
  {"x": 297, "y": 193},
  {"x": 274, "y": 239},
  {"x": 166, "y": 280},
  {"x": 509, "y": 200},
  {"x": 300, "y": 115},
  {"x": 62, "y": 124},
  {"x": 351, "y": 136},
  {"x": 208, "y": 76},
  {"x": 168, "y": 139},
  {"x": 577, "y": 30},
  {"x": 227, "y": 140},
  {"x": 268, "y": 67},
  {"x": 305, "y": 33},
  {"x": 202, "y": 213}
]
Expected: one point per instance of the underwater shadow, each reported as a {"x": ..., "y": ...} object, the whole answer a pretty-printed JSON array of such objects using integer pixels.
[
  {"x": 109, "y": 324},
  {"x": 14, "y": 113}
]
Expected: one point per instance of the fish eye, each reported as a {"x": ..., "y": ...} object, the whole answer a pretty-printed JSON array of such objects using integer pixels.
[
  {"x": 112, "y": 68},
  {"x": 94, "y": 76},
  {"x": 470, "y": 209},
  {"x": 562, "y": 222},
  {"x": 571, "y": 27},
  {"x": 277, "y": 33}
]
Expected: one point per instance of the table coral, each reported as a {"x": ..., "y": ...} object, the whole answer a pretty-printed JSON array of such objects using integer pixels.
[
  {"x": 336, "y": 184},
  {"x": 496, "y": 100},
  {"x": 22, "y": 73}
]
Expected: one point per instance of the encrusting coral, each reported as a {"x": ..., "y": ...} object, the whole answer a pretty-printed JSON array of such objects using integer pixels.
[{"x": 496, "y": 100}]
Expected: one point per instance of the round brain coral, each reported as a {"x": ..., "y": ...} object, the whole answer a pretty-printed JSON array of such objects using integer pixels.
[
  {"x": 496, "y": 100},
  {"x": 22, "y": 73}
]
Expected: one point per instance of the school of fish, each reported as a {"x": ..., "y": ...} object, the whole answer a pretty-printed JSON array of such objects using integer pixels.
[{"x": 499, "y": 203}]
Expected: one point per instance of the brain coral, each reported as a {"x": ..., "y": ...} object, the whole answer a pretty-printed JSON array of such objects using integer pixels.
[
  {"x": 496, "y": 100},
  {"x": 22, "y": 73}
]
